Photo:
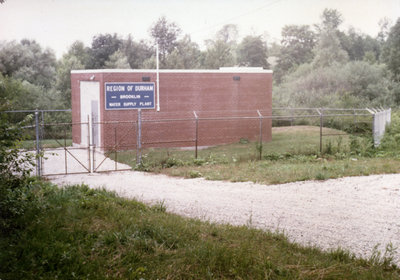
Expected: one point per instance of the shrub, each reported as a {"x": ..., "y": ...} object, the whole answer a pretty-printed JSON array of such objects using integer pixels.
[
  {"x": 194, "y": 174},
  {"x": 338, "y": 85},
  {"x": 390, "y": 143},
  {"x": 171, "y": 162},
  {"x": 15, "y": 167},
  {"x": 361, "y": 146}
]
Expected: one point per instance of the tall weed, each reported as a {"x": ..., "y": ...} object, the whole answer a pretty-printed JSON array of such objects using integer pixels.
[{"x": 390, "y": 143}]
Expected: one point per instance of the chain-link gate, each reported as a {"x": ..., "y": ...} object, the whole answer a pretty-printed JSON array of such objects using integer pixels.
[
  {"x": 121, "y": 138},
  {"x": 57, "y": 153},
  {"x": 62, "y": 157}
]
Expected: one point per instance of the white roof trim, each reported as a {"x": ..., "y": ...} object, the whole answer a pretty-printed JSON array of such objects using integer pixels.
[{"x": 222, "y": 70}]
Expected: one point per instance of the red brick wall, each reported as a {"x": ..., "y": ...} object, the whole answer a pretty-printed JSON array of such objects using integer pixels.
[{"x": 211, "y": 95}]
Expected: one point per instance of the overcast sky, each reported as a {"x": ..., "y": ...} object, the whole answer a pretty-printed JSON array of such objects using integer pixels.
[{"x": 58, "y": 23}]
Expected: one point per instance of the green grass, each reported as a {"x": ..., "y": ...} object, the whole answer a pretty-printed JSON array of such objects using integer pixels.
[
  {"x": 45, "y": 143},
  {"x": 292, "y": 155},
  {"x": 299, "y": 140},
  {"x": 288, "y": 170},
  {"x": 79, "y": 233}
]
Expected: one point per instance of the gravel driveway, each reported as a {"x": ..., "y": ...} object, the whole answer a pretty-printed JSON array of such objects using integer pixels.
[{"x": 355, "y": 213}]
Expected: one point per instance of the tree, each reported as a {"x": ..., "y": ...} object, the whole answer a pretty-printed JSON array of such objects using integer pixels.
[
  {"x": 22, "y": 95},
  {"x": 357, "y": 44},
  {"x": 252, "y": 51},
  {"x": 351, "y": 84},
  {"x": 117, "y": 60},
  {"x": 30, "y": 74},
  {"x": 228, "y": 34},
  {"x": 218, "y": 54},
  {"x": 80, "y": 52},
  {"x": 165, "y": 35},
  {"x": 103, "y": 46},
  {"x": 10, "y": 91},
  {"x": 328, "y": 50},
  {"x": 27, "y": 61},
  {"x": 221, "y": 51},
  {"x": 384, "y": 29},
  {"x": 391, "y": 51},
  {"x": 331, "y": 19},
  {"x": 297, "y": 46},
  {"x": 186, "y": 55},
  {"x": 11, "y": 58},
  {"x": 137, "y": 52},
  {"x": 63, "y": 82},
  {"x": 76, "y": 58}
]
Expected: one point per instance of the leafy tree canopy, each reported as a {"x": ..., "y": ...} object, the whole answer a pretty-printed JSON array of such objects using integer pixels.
[
  {"x": 228, "y": 34},
  {"x": 186, "y": 55},
  {"x": 117, "y": 60},
  {"x": 328, "y": 50},
  {"x": 391, "y": 52},
  {"x": 352, "y": 84},
  {"x": 165, "y": 35},
  {"x": 331, "y": 19},
  {"x": 103, "y": 46},
  {"x": 297, "y": 46},
  {"x": 218, "y": 54},
  {"x": 27, "y": 61},
  {"x": 137, "y": 52},
  {"x": 252, "y": 51}
]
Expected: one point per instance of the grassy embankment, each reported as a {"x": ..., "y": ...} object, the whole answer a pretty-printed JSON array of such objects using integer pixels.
[{"x": 79, "y": 233}]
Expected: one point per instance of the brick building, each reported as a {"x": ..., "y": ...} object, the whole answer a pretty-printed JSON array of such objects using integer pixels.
[{"x": 218, "y": 98}]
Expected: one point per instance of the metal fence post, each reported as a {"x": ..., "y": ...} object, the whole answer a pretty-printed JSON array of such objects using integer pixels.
[
  {"x": 90, "y": 146},
  {"x": 139, "y": 138},
  {"x": 261, "y": 132},
  {"x": 38, "y": 160},
  {"x": 116, "y": 148},
  {"x": 41, "y": 133},
  {"x": 65, "y": 151},
  {"x": 321, "y": 123},
  {"x": 197, "y": 133},
  {"x": 320, "y": 130},
  {"x": 373, "y": 123},
  {"x": 291, "y": 117}
]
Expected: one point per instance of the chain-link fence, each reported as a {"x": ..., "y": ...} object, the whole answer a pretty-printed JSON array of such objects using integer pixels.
[
  {"x": 48, "y": 135},
  {"x": 166, "y": 137},
  {"x": 382, "y": 118},
  {"x": 64, "y": 147}
]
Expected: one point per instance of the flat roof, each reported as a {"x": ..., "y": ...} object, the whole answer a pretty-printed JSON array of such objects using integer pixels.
[{"x": 221, "y": 70}]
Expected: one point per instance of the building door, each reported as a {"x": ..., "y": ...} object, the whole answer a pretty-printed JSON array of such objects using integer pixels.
[{"x": 90, "y": 106}]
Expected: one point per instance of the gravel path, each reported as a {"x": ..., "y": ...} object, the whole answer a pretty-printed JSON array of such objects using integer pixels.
[{"x": 355, "y": 213}]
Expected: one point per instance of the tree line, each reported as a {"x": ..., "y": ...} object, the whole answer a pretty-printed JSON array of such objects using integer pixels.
[
  {"x": 315, "y": 65},
  {"x": 326, "y": 67}
]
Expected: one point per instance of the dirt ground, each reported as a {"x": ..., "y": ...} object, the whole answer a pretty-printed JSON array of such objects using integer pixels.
[{"x": 361, "y": 214}]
